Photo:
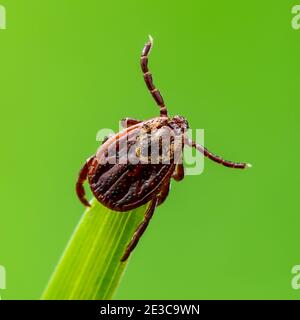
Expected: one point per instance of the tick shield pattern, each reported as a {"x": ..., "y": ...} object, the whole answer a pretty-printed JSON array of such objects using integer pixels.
[{"x": 150, "y": 146}]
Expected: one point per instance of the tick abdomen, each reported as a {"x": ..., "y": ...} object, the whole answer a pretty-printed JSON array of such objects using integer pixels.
[{"x": 122, "y": 187}]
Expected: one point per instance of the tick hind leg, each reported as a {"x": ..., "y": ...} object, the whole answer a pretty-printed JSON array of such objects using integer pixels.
[
  {"x": 80, "y": 181},
  {"x": 128, "y": 122},
  {"x": 149, "y": 81},
  {"x": 161, "y": 197},
  {"x": 140, "y": 230}
]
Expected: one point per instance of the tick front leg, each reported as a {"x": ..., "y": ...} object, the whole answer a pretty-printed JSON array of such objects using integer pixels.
[
  {"x": 140, "y": 230},
  {"x": 178, "y": 174},
  {"x": 81, "y": 179},
  {"x": 215, "y": 158},
  {"x": 149, "y": 81},
  {"x": 128, "y": 122}
]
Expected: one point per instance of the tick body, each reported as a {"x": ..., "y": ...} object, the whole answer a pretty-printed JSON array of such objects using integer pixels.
[{"x": 135, "y": 167}]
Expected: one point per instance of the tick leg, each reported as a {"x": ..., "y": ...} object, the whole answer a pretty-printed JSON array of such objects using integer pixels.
[
  {"x": 128, "y": 122},
  {"x": 178, "y": 174},
  {"x": 215, "y": 158},
  {"x": 106, "y": 138},
  {"x": 140, "y": 230},
  {"x": 162, "y": 196},
  {"x": 149, "y": 81},
  {"x": 81, "y": 179}
]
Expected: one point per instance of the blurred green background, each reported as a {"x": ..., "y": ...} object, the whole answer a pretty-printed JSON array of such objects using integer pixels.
[{"x": 69, "y": 68}]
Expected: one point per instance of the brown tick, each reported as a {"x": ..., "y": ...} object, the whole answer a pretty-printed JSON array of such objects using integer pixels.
[{"x": 123, "y": 186}]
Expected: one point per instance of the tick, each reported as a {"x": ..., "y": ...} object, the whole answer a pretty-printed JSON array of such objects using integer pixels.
[{"x": 123, "y": 186}]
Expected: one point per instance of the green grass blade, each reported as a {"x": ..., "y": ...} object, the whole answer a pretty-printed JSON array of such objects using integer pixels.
[{"x": 90, "y": 268}]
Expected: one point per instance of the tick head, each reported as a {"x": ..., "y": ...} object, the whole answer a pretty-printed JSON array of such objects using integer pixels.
[{"x": 181, "y": 122}]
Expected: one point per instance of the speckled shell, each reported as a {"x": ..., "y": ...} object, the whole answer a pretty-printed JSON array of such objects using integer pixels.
[{"x": 125, "y": 186}]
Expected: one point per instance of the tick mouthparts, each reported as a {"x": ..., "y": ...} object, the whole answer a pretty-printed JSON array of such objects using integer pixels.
[{"x": 248, "y": 165}]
